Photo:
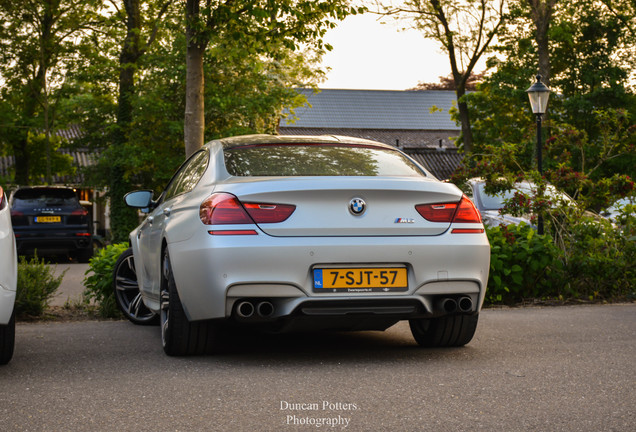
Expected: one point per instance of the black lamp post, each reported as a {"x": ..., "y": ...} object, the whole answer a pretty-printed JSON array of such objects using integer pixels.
[{"x": 539, "y": 94}]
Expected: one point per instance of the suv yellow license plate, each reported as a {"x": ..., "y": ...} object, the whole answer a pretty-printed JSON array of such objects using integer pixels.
[
  {"x": 355, "y": 280},
  {"x": 48, "y": 219}
]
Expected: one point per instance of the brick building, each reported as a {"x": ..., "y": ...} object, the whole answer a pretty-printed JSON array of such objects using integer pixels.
[{"x": 417, "y": 122}]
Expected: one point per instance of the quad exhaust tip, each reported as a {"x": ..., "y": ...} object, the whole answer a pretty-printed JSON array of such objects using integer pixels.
[
  {"x": 265, "y": 309},
  {"x": 450, "y": 305},
  {"x": 247, "y": 309},
  {"x": 465, "y": 304}
]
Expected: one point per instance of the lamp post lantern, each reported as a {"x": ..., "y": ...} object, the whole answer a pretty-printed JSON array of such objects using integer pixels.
[{"x": 539, "y": 94}]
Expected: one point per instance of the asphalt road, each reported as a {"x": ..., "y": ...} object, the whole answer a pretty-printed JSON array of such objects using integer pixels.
[{"x": 529, "y": 369}]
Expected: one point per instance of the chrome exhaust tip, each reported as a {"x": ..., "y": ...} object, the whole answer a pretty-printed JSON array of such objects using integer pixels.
[
  {"x": 265, "y": 309},
  {"x": 448, "y": 305},
  {"x": 245, "y": 309},
  {"x": 465, "y": 304}
]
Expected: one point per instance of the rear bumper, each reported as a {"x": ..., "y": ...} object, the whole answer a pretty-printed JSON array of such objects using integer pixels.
[
  {"x": 53, "y": 242},
  {"x": 378, "y": 313},
  {"x": 214, "y": 274}
]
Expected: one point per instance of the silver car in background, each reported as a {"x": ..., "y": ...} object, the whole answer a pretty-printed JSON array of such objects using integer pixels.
[
  {"x": 490, "y": 205},
  {"x": 8, "y": 281},
  {"x": 286, "y": 233}
]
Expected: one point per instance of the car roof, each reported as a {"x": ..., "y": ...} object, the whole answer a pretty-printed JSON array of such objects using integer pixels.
[
  {"x": 57, "y": 187},
  {"x": 246, "y": 140},
  {"x": 26, "y": 189}
]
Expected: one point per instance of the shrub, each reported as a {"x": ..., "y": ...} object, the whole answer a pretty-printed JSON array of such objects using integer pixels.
[
  {"x": 599, "y": 258},
  {"x": 36, "y": 286},
  {"x": 99, "y": 285},
  {"x": 582, "y": 257},
  {"x": 523, "y": 264}
]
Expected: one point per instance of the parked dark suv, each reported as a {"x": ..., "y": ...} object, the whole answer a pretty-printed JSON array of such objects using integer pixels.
[{"x": 51, "y": 220}]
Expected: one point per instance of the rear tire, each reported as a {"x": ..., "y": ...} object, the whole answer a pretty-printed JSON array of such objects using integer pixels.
[
  {"x": 7, "y": 340},
  {"x": 127, "y": 294},
  {"x": 446, "y": 331},
  {"x": 179, "y": 336}
]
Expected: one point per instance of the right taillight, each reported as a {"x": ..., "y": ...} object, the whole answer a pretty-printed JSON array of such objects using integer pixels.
[
  {"x": 437, "y": 212},
  {"x": 466, "y": 212},
  {"x": 462, "y": 212}
]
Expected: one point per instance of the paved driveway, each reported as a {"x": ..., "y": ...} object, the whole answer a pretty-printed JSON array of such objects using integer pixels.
[
  {"x": 72, "y": 286},
  {"x": 532, "y": 369}
]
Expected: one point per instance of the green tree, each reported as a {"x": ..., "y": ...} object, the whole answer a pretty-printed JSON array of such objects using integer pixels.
[
  {"x": 590, "y": 151},
  {"x": 263, "y": 28},
  {"x": 45, "y": 158},
  {"x": 245, "y": 90},
  {"x": 464, "y": 29},
  {"x": 589, "y": 72},
  {"x": 120, "y": 75},
  {"x": 38, "y": 43},
  {"x": 142, "y": 21}
]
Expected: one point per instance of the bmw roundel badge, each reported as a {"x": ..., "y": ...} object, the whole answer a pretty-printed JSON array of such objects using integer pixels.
[{"x": 357, "y": 206}]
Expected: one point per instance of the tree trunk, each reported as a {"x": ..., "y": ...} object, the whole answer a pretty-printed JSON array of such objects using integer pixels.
[
  {"x": 35, "y": 93},
  {"x": 194, "y": 121},
  {"x": 32, "y": 94},
  {"x": 123, "y": 218},
  {"x": 460, "y": 79},
  {"x": 541, "y": 13},
  {"x": 21, "y": 157},
  {"x": 464, "y": 118}
]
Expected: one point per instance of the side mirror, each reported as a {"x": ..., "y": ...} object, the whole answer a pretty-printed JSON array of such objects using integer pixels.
[{"x": 140, "y": 199}]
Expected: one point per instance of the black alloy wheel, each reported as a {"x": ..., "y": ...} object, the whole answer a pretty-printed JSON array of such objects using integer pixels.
[{"x": 127, "y": 293}]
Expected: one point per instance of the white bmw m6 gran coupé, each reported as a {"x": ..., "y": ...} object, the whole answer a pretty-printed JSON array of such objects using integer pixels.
[{"x": 283, "y": 233}]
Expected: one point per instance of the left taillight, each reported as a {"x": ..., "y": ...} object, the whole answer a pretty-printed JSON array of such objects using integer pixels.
[
  {"x": 223, "y": 209},
  {"x": 463, "y": 211},
  {"x": 3, "y": 202},
  {"x": 226, "y": 209}
]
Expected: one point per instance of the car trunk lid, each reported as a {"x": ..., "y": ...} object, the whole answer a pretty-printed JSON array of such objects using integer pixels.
[{"x": 348, "y": 206}]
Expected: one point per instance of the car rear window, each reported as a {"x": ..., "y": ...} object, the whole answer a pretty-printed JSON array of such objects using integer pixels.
[
  {"x": 318, "y": 160},
  {"x": 496, "y": 201},
  {"x": 44, "y": 197}
]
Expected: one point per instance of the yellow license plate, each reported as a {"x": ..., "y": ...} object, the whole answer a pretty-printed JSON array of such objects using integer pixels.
[
  {"x": 48, "y": 219},
  {"x": 380, "y": 279}
]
